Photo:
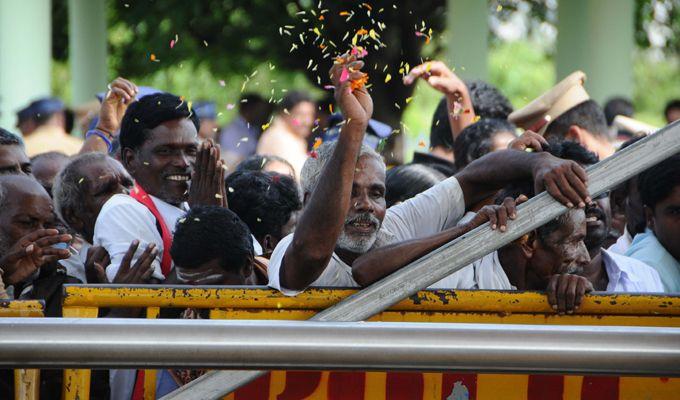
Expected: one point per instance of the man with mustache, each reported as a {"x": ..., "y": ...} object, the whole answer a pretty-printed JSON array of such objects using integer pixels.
[{"x": 344, "y": 195}]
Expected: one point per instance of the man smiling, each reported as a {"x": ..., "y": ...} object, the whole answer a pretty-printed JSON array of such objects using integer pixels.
[
  {"x": 159, "y": 147},
  {"x": 345, "y": 216}
]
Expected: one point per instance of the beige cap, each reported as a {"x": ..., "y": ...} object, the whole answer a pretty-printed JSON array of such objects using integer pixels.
[
  {"x": 633, "y": 125},
  {"x": 537, "y": 115}
]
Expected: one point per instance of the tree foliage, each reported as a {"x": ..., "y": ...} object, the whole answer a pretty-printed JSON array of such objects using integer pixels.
[{"x": 235, "y": 36}]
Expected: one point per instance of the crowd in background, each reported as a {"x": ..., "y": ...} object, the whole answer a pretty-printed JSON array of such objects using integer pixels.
[{"x": 291, "y": 194}]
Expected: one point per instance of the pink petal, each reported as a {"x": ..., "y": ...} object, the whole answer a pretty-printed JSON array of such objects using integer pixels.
[{"x": 344, "y": 75}]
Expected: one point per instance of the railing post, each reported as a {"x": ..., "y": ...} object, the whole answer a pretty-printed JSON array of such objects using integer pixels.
[
  {"x": 76, "y": 384},
  {"x": 150, "y": 374},
  {"x": 26, "y": 384}
]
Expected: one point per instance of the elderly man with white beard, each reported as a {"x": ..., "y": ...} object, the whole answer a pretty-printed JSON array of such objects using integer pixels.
[{"x": 344, "y": 196}]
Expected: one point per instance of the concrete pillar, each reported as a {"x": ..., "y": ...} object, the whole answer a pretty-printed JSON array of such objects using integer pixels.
[
  {"x": 597, "y": 37},
  {"x": 87, "y": 48},
  {"x": 468, "y": 35},
  {"x": 25, "y": 55}
]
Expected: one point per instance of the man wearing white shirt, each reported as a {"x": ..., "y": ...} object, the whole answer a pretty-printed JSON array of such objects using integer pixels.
[
  {"x": 159, "y": 147},
  {"x": 626, "y": 200},
  {"x": 344, "y": 193}
]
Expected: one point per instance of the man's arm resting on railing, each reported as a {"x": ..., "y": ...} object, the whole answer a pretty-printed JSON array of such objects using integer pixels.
[
  {"x": 565, "y": 180},
  {"x": 379, "y": 263}
]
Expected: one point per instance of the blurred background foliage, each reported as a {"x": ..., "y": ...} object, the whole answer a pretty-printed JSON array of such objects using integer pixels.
[{"x": 225, "y": 47}]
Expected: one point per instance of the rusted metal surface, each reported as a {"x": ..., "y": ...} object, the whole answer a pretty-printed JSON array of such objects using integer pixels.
[
  {"x": 428, "y": 306},
  {"x": 22, "y": 308},
  {"x": 76, "y": 383},
  {"x": 26, "y": 384},
  {"x": 479, "y": 301}
]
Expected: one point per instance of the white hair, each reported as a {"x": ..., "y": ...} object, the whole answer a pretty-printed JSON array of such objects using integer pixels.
[
  {"x": 311, "y": 170},
  {"x": 67, "y": 189}
]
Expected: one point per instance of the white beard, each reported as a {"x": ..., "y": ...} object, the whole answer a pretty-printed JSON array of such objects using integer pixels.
[{"x": 359, "y": 245}]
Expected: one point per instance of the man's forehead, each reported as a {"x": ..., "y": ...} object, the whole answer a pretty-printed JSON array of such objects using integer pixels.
[
  {"x": 175, "y": 132},
  {"x": 368, "y": 165},
  {"x": 574, "y": 223},
  {"x": 21, "y": 187},
  {"x": 13, "y": 154},
  {"x": 673, "y": 199}
]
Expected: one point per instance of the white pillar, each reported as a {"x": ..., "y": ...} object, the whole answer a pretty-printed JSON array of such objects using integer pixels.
[
  {"x": 468, "y": 35},
  {"x": 596, "y": 36},
  {"x": 87, "y": 48},
  {"x": 25, "y": 55}
]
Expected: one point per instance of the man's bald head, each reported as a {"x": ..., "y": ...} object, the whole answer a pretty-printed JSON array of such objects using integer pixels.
[
  {"x": 46, "y": 166},
  {"x": 15, "y": 186},
  {"x": 25, "y": 207}
]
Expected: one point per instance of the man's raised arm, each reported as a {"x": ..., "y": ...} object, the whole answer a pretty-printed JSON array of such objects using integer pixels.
[{"x": 324, "y": 214}]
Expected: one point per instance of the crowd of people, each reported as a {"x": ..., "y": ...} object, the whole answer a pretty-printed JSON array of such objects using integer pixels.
[{"x": 157, "y": 193}]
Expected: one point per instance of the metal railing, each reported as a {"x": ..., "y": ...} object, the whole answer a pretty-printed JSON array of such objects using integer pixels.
[
  {"x": 463, "y": 306},
  {"x": 457, "y": 254},
  {"x": 138, "y": 343},
  {"x": 26, "y": 381}
]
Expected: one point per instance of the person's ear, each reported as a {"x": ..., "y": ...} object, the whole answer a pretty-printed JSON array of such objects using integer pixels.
[
  {"x": 127, "y": 158},
  {"x": 576, "y": 134},
  {"x": 649, "y": 216},
  {"x": 527, "y": 245},
  {"x": 247, "y": 269}
]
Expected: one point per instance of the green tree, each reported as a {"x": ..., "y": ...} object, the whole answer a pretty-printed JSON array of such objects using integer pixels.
[{"x": 235, "y": 36}]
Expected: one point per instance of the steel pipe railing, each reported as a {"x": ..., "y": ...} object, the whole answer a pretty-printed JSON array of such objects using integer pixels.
[{"x": 135, "y": 343}]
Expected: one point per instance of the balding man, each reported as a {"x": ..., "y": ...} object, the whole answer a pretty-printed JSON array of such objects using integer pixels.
[
  {"x": 46, "y": 166},
  {"x": 27, "y": 239},
  {"x": 345, "y": 216},
  {"x": 80, "y": 191},
  {"x": 29, "y": 250}
]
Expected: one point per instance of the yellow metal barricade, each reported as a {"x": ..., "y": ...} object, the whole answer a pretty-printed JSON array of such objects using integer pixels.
[
  {"x": 26, "y": 381},
  {"x": 427, "y": 306}
]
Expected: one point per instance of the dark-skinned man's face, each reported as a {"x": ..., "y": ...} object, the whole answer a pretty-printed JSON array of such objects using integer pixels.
[
  {"x": 366, "y": 207},
  {"x": 13, "y": 160},
  {"x": 664, "y": 220},
  {"x": 101, "y": 180},
  {"x": 561, "y": 251},
  {"x": 27, "y": 209},
  {"x": 598, "y": 221},
  {"x": 164, "y": 163},
  {"x": 214, "y": 273}
]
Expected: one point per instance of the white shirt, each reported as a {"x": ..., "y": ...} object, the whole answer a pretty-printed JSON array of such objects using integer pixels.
[
  {"x": 622, "y": 243},
  {"x": 123, "y": 219},
  {"x": 627, "y": 274},
  {"x": 430, "y": 212},
  {"x": 485, "y": 274}
]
